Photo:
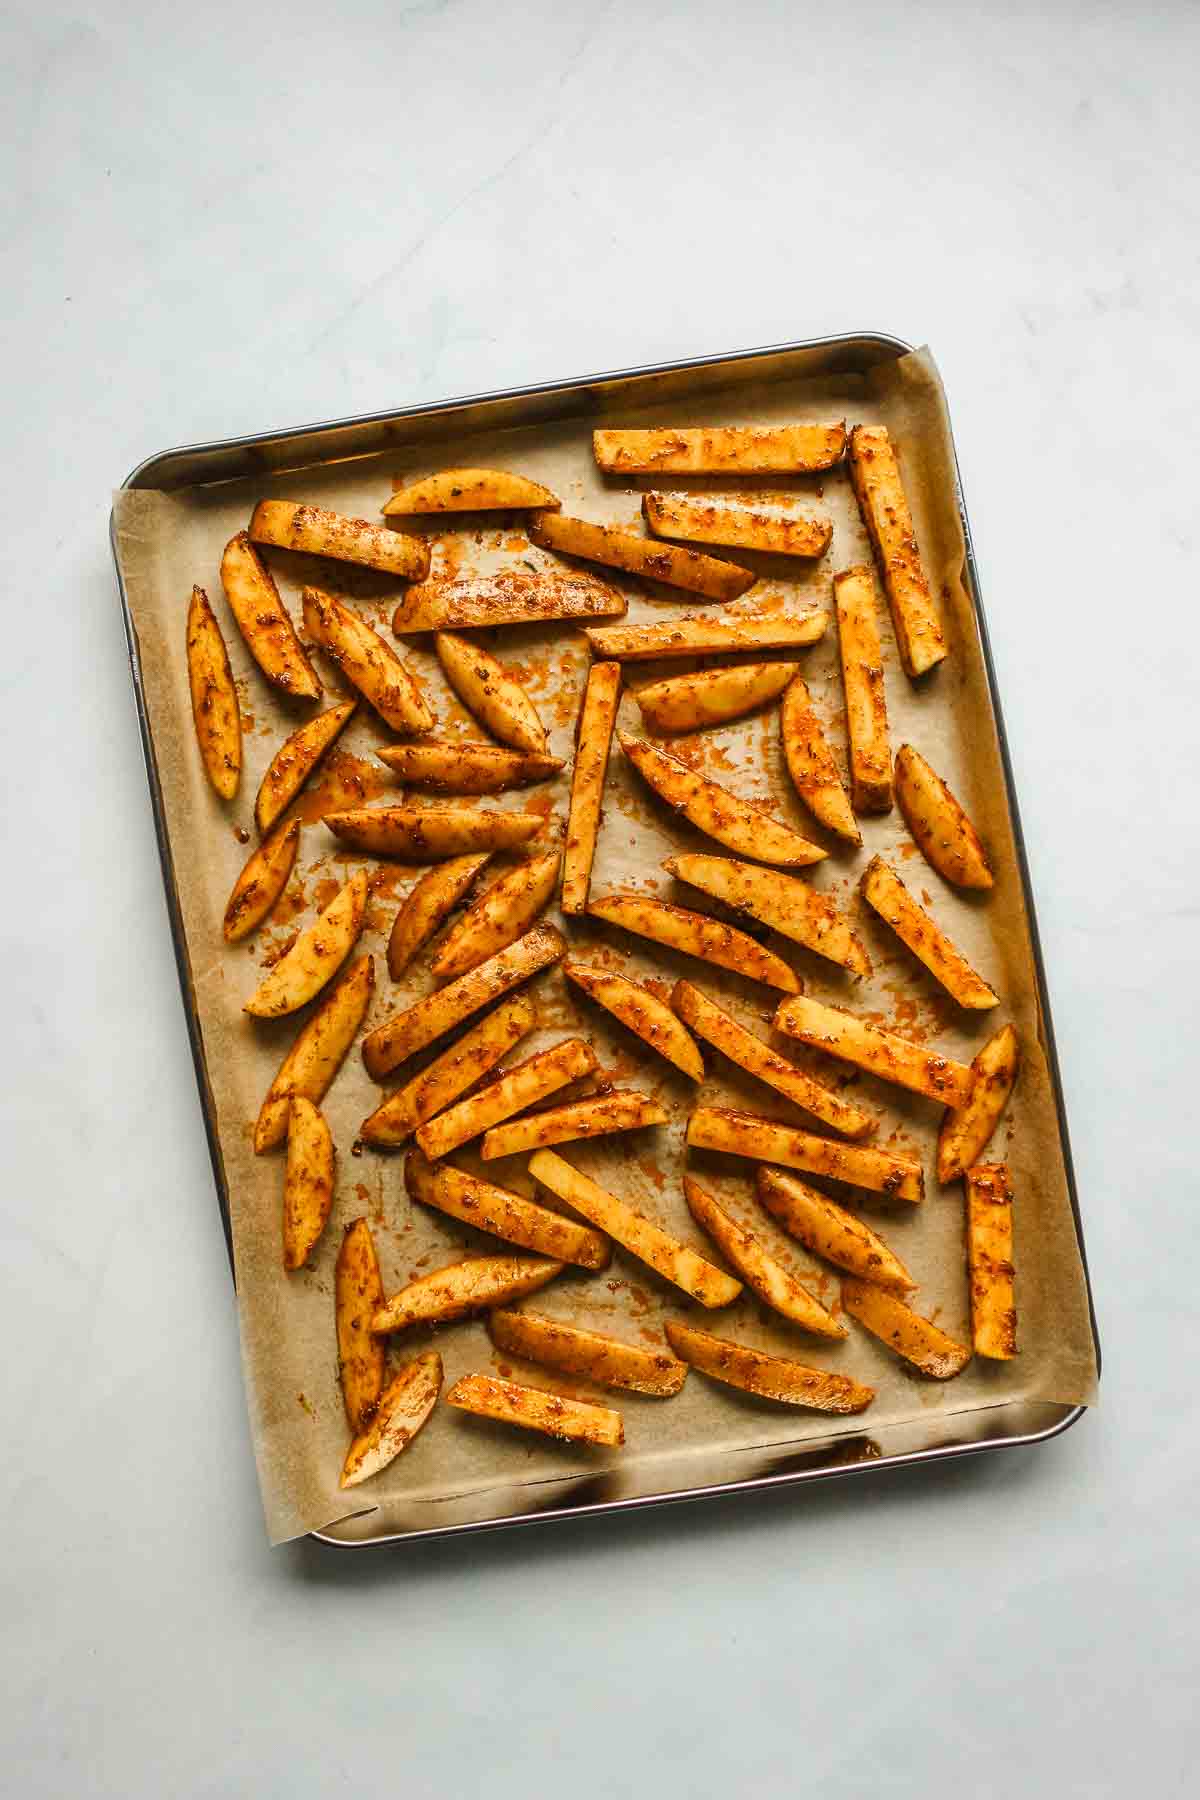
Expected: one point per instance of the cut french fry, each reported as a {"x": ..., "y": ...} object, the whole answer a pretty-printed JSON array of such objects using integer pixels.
[
  {"x": 757, "y": 1267},
  {"x": 366, "y": 661},
  {"x": 674, "y": 1261},
  {"x": 318, "y": 1052},
  {"x": 467, "y": 1061},
  {"x": 739, "y": 524},
  {"x": 883, "y": 503},
  {"x": 643, "y": 1013},
  {"x": 469, "y": 490},
  {"x": 711, "y": 696},
  {"x": 811, "y": 766},
  {"x": 967, "y": 1129},
  {"x": 705, "y": 576},
  {"x": 319, "y": 532},
  {"x": 464, "y": 1287},
  {"x": 487, "y": 689},
  {"x": 506, "y": 1215},
  {"x": 828, "y": 1230},
  {"x": 215, "y": 709},
  {"x": 535, "y": 1410},
  {"x": 294, "y": 762},
  {"x": 315, "y": 957},
  {"x": 429, "y": 833},
  {"x": 425, "y": 906},
  {"x": 530, "y": 1082},
  {"x": 884, "y": 1054},
  {"x": 866, "y": 701},
  {"x": 565, "y": 1124},
  {"x": 944, "y": 834},
  {"x": 593, "y": 740},
  {"x": 990, "y": 1261},
  {"x": 307, "y": 1182},
  {"x": 716, "y": 449},
  {"x": 499, "y": 917},
  {"x": 883, "y": 890},
  {"x": 260, "y": 883},
  {"x": 788, "y": 906},
  {"x": 458, "y": 768},
  {"x": 713, "y": 810},
  {"x": 473, "y": 602},
  {"x": 706, "y": 637},
  {"x": 860, "y": 1165},
  {"x": 695, "y": 934},
  {"x": 771, "y": 1377},
  {"x": 593, "y": 1355},
  {"x": 263, "y": 620},
  {"x": 358, "y": 1295},
  {"x": 399, "y": 1414},
  {"x": 718, "y": 1028},
  {"x": 917, "y": 1340}
]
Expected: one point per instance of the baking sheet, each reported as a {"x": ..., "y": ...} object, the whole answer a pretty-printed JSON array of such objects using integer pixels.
[{"x": 168, "y": 541}]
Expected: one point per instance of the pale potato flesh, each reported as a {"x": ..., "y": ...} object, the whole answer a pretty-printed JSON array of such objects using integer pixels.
[
  {"x": 488, "y": 691},
  {"x": 462, "y": 1288},
  {"x": 307, "y": 1182},
  {"x": 788, "y": 906},
  {"x": 625, "y": 1111},
  {"x": 535, "y": 1410},
  {"x": 770, "y": 1377},
  {"x": 508, "y": 597},
  {"x": 504, "y": 1214},
  {"x": 716, "y": 449},
  {"x": 425, "y": 906},
  {"x": 260, "y": 883},
  {"x": 319, "y": 532},
  {"x": 295, "y": 760},
  {"x": 643, "y": 1013},
  {"x": 368, "y": 663},
  {"x": 706, "y": 637},
  {"x": 990, "y": 1261},
  {"x": 711, "y": 696},
  {"x": 860, "y": 1165},
  {"x": 264, "y": 622},
  {"x": 437, "y": 1087},
  {"x": 469, "y": 490},
  {"x": 315, "y": 957},
  {"x": 738, "y": 524},
  {"x": 592, "y": 1355},
  {"x": 358, "y": 1295},
  {"x": 862, "y": 681},
  {"x": 917, "y": 1340},
  {"x": 402, "y": 1409},
  {"x": 215, "y": 709},
  {"x": 884, "y": 890},
  {"x": 891, "y": 1058},
  {"x": 967, "y": 1129},
  {"x": 944, "y": 834},
  {"x": 811, "y": 766},
  {"x": 525, "y": 1085},
  {"x": 715, "y": 811},
  {"x": 758, "y": 1268},
  {"x": 705, "y": 576},
  {"x": 593, "y": 740},
  {"x": 695, "y": 934},
  {"x": 828, "y": 1230},
  {"x": 318, "y": 1052},
  {"x": 431, "y": 833},
  {"x": 458, "y": 768},
  {"x": 875, "y": 475},
  {"x": 502, "y": 914}
]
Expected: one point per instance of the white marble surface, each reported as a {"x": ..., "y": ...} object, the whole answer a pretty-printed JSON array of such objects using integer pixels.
[{"x": 224, "y": 218}]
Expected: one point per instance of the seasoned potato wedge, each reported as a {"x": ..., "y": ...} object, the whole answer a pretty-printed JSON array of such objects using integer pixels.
[
  {"x": 525, "y": 1085},
  {"x": 425, "y": 906},
  {"x": 358, "y": 1295},
  {"x": 883, "y": 503},
  {"x": 828, "y": 1230},
  {"x": 892, "y": 1058},
  {"x": 315, "y": 957},
  {"x": 593, "y": 1355},
  {"x": 674, "y": 1261},
  {"x": 694, "y": 934},
  {"x": 884, "y": 890},
  {"x": 771, "y": 1377},
  {"x": 469, "y": 490},
  {"x": 788, "y": 906},
  {"x": 706, "y": 637},
  {"x": 757, "y": 1267},
  {"x": 263, "y": 620},
  {"x": 429, "y": 833},
  {"x": 467, "y": 1061},
  {"x": 318, "y": 1052},
  {"x": 487, "y": 689},
  {"x": 717, "y": 449},
  {"x": 811, "y": 766},
  {"x": 626, "y": 1111},
  {"x": 399, "y": 1414},
  {"x": 643, "y": 1013},
  {"x": 509, "y": 597},
  {"x": 715, "y": 811},
  {"x": 990, "y": 1261},
  {"x": 294, "y": 762},
  {"x": 307, "y": 1182},
  {"x": 967, "y": 1129},
  {"x": 215, "y": 709},
  {"x": 506, "y": 1215},
  {"x": 366, "y": 661},
  {"x": 739, "y": 524},
  {"x": 464, "y": 1287},
  {"x": 502, "y": 914},
  {"x": 711, "y": 696},
  {"x": 458, "y": 768},
  {"x": 319, "y": 532},
  {"x": 944, "y": 834},
  {"x": 917, "y": 1340},
  {"x": 866, "y": 701},
  {"x": 260, "y": 883},
  {"x": 706, "y": 576},
  {"x": 861, "y": 1165},
  {"x": 593, "y": 740},
  {"x": 488, "y": 1397}
]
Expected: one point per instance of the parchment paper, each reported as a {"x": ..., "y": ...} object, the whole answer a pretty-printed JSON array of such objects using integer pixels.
[{"x": 168, "y": 541}]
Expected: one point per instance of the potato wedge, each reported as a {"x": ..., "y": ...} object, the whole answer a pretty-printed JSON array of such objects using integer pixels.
[
  {"x": 366, "y": 661},
  {"x": 425, "y": 906},
  {"x": 593, "y": 1355},
  {"x": 706, "y": 637},
  {"x": 895, "y": 1324},
  {"x": 401, "y": 1036},
  {"x": 886, "y": 893},
  {"x": 399, "y": 1414},
  {"x": 488, "y": 1397},
  {"x": 430, "y": 833},
  {"x": 464, "y": 1287},
  {"x": 862, "y": 680},
  {"x": 944, "y": 834},
  {"x": 884, "y": 1054},
  {"x": 705, "y": 576},
  {"x": 315, "y": 957},
  {"x": 757, "y": 1267},
  {"x": 711, "y": 696},
  {"x": 788, "y": 906},
  {"x": 358, "y": 1295},
  {"x": 875, "y": 476},
  {"x": 307, "y": 1182},
  {"x": 467, "y": 1061},
  {"x": 695, "y": 934},
  {"x": 319, "y": 532},
  {"x": 260, "y": 883},
  {"x": 771, "y": 1377},
  {"x": 525, "y": 1085},
  {"x": 263, "y": 620},
  {"x": 509, "y": 597},
  {"x": 597, "y": 1117},
  {"x": 502, "y": 914},
  {"x": 458, "y": 768},
  {"x": 469, "y": 490},
  {"x": 593, "y": 740},
  {"x": 316, "y": 1056},
  {"x": 715, "y": 811},
  {"x": 990, "y": 1261},
  {"x": 739, "y": 524},
  {"x": 811, "y": 766},
  {"x": 487, "y": 689},
  {"x": 295, "y": 760},
  {"x": 828, "y": 1230},
  {"x": 643, "y": 1013},
  {"x": 215, "y": 709},
  {"x": 675, "y": 1262},
  {"x": 506, "y": 1215},
  {"x": 967, "y": 1129},
  {"x": 860, "y": 1165},
  {"x": 715, "y": 449},
  {"x": 720, "y": 1029}
]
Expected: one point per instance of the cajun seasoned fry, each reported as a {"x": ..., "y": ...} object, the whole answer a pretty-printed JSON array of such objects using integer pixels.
[
  {"x": 771, "y": 1377},
  {"x": 705, "y": 576},
  {"x": 426, "y": 905},
  {"x": 469, "y": 490},
  {"x": 917, "y": 1340},
  {"x": 319, "y": 532},
  {"x": 829, "y": 1230},
  {"x": 509, "y": 597},
  {"x": 892, "y": 1058},
  {"x": 260, "y": 883},
  {"x": 294, "y": 762},
  {"x": 367, "y": 662},
  {"x": 399, "y": 1414},
  {"x": 811, "y": 766},
  {"x": 264, "y": 622},
  {"x": 884, "y": 890},
  {"x": 757, "y": 1267},
  {"x": 318, "y": 1052},
  {"x": 506, "y": 1215},
  {"x": 502, "y": 914},
  {"x": 307, "y": 1182},
  {"x": 739, "y": 524},
  {"x": 315, "y": 957},
  {"x": 487, "y": 689},
  {"x": 967, "y": 1129},
  {"x": 597, "y": 1117},
  {"x": 715, "y": 811},
  {"x": 597, "y": 716},
  {"x": 215, "y": 710},
  {"x": 643, "y": 1013},
  {"x": 789, "y": 906},
  {"x": 464, "y": 1287},
  {"x": 711, "y": 696},
  {"x": 458, "y": 768},
  {"x": 866, "y": 702},
  {"x": 719, "y": 449},
  {"x": 526, "y": 1085},
  {"x": 990, "y": 1261},
  {"x": 861, "y": 1165},
  {"x": 467, "y": 1061},
  {"x": 535, "y": 1410},
  {"x": 944, "y": 834},
  {"x": 591, "y": 1354},
  {"x": 706, "y": 637},
  {"x": 358, "y": 1295},
  {"x": 694, "y": 934},
  {"x": 429, "y": 833},
  {"x": 883, "y": 503}
]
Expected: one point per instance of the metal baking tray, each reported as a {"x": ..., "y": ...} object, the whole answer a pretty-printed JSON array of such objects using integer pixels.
[{"x": 921, "y": 1441}]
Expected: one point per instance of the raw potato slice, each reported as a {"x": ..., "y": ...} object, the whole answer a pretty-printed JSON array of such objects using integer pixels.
[
  {"x": 429, "y": 833},
  {"x": 263, "y": 620},
  {"x": 643, "y": 1013},
  {"x": 464, "y": 1287},
  {"x": 320, "y": 532},
  {"x": 366, "y": 661},
  {"x": 705, "y": 576},
  {"x": 499, "y": 917},
  {"x": 830, "y": 1231},
  {"x": 715, "y": 811},
  {"x": 745, "y": 1134},
  {"x": 760, "y": 1270},
  {"x": 694, "y": 934},
  {"x": 713, "y": 449},
  {"x": 535, "y": 1410},
  {"x": 711, "y": 696},
  {"x": 506, "y": 1215},
  {"x": 866, "y": 702},
  {"x": 709, "y": 1021},
  {"x": 811, "y": 766},
  {"x": 889, "y": 1057},
  {"x": 307, "y": 1182},
  {"x": 530, "y": 1082},
  {"x": 706, "y": 637},
  {"x": 626, "y": 1111},
  {"x": 358, "y": 1295},
  {"x": 294, "y": 762},
  {"x": 917, "y": 1340},
  {"x": 486, "y": 688},
  {"x": 260, "y": 883},
  {"x": 467, "y": 1061},
  {"x": 593, "y": 1355},
  {"x": 425, "y": 906},
  {"x": 967, "y": 1129},
  {"x": 674, "y": 1261},
  {"x": 318, "y": 1052},
  {"x": 788, "y": 906},
  {"x": 771, "y": 1377},
  {"x": 990, "y": 1261},
  {"x": 469, "y": 490},
  {"x": 509, "y": 597},
  {"x": 885, "y": 891},
  {"x": 215, "y": 709},
  {"x": 401, "y": 1411},
  {"x": 458, "y": 768},
  {"x": 315, "y": 957},
  {"x": 593, "y": 740},
  {"x": 741, "y": 525},
  {"x": 946, "y": 837},
  {"x": 883, "y": 503}
]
